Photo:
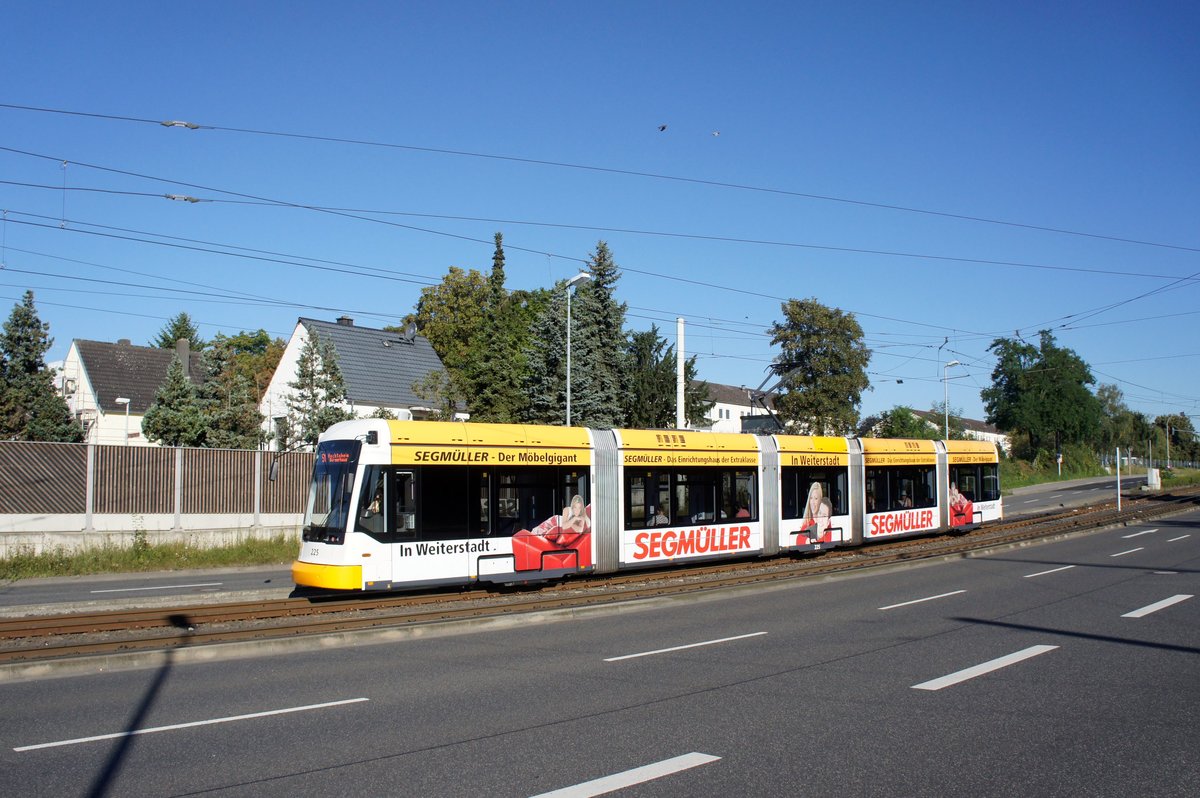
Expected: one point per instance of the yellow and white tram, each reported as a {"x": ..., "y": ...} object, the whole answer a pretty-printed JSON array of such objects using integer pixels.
[{"x": 398, "y": 504}]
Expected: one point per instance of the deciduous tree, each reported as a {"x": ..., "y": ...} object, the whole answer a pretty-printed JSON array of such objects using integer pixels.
[
  {"x": 253, "y": 355},
  {"x": 823, "y": 367},
  {"x": 901, "y": 422},
  {"x": 1043, "y": 393},
  {"x": 451, "y": 315}
]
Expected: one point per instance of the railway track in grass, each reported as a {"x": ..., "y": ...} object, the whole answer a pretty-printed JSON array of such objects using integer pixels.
[{"x": 73, "y": 635}]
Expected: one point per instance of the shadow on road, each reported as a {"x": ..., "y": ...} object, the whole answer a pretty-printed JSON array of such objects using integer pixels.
[{"x": 112, "y": 768}]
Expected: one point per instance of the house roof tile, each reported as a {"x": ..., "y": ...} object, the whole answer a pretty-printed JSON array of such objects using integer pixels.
[
  {"x": 135, "y": 372},
  {"x": 378, "y": 367}
]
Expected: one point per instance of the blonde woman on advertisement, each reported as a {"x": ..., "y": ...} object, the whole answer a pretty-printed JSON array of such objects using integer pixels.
[{"x": 817, "y": 512}]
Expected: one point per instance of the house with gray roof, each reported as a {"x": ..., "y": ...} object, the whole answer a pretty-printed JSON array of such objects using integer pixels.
[
  {"x": 732, "y": 403},
  {"x": 972, "y": 428},
  {"x": 110, "y": 386},
  {"x": 379, "y": 369}
]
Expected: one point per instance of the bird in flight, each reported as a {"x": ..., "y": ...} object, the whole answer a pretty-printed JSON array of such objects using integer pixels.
[{"x": 661, "y": 128}]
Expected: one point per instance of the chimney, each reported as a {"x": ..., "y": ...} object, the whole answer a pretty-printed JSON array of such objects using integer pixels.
[
  {"x": 183, "y": 351},
  {"x": 123, "y": 342},
  {"x": 345, "y": 321}
]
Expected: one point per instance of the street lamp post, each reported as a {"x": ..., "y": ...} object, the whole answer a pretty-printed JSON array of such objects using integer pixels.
[
  {"x": 574, "y": 281},
  {"x": 124, "y": 400},
  {"x": 946, "y": 394}
]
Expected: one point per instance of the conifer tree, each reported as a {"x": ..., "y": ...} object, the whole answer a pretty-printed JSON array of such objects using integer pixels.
[
  {"x": 498, "y": 367},
  {"x": 650, "y": 384},
  {"x": 546, "y": 353},
  {"x": 319, "y": 392},
  {"x": 180, "y": 326},
  {"x": 230, "y": 402},
  {"x": 30, "y": 408},
  {"x": 598, "y": 346},
  {"x": 176, "y": 417}
]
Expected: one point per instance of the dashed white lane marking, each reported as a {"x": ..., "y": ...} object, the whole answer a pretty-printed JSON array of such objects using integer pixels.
[
  {"x": 1156, "y": 606},
  {"x": 160, "y": 587},
  {"x": 1139, "y": 534},
  {"x": 1181, "y": 537},
  {"x": 177, "y": 726},
  {"x": 1029, "y": 501},
  {"x": 628, "y": 778},
  {"x": 1130, "y": 551},
  {"x": 1059, "y": 496},
  {"x": 918, "y": 601},
  {"x": 681, "y": 648},
  {"x": 1051, "y": 571},
  {"x": 983, "y": 668}
]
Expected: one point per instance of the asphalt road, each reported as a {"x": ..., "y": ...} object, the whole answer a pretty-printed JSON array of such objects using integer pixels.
[
  {"x": 1068, "y": 493},
  {"x": 1062, "y": 669},
  {"x": 117, "y": 590}
]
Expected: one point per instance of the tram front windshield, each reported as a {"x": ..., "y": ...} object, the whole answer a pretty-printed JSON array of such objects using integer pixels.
[{"x": 329, "y": 495}]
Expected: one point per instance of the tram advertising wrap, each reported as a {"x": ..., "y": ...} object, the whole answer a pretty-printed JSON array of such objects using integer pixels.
[
  {"x": 403, "y": 504},
  {"x": 814, "y": 489},
  {"x": 688, "y": 495}
]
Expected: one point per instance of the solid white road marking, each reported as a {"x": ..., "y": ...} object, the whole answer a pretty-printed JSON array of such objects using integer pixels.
[
  {"x": 918, "y": 601},
  {"x": 1123, "y": 553},
  {"x": 1138, "y": 534},
  {"x": 177, "y": 726},
  {"x": 980, "y": 670},
  {"x": 1156, "y": 606},
  {"x": 681, "y": 648},
  {"x": 1051, "y": 571},
  {"x": 1181, "y": 537},
  {"x": 628, "y": 778},
  {"x": 160, "y": 587}
]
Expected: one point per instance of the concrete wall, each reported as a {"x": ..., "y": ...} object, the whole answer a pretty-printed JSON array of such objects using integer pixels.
[{"x": 48, "y": 533}]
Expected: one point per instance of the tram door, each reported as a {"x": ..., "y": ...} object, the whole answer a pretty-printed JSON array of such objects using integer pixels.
[{"x": 430, "y": 517}]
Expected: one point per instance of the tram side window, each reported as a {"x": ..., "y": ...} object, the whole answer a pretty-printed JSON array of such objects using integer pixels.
[
  {"x": 687, "y": 497},
  {"x": 647, "y": 499},
  {"x": 372, "y": 503},
  {"x": 637, "y": 513},
  {"x": 797, "y": 485},
  {"x": 575, "y": 483},
  {"x": 966, "y": 479},
  {"x": 445, "y": 502},
  {"x": 900, "y": 488},
  {"x": 403, "y": 502},
  {"x": 876, "y": 490},
  {"x": 990, "y": 490},
  {"x": 738, "y": 495},
  {"x": 925, "y": 486},
  {"x": 912, "y": 487},
  {"x": 696, "y": 496},
  {"x": 662, "y": 512},
  {"x": 526, "y": 497}
]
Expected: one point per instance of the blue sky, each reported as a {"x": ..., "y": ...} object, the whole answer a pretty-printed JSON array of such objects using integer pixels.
[{"x": 949, "y": 172}]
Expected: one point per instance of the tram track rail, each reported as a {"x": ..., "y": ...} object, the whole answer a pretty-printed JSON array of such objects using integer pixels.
[{"x": 83, "y": 634}]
